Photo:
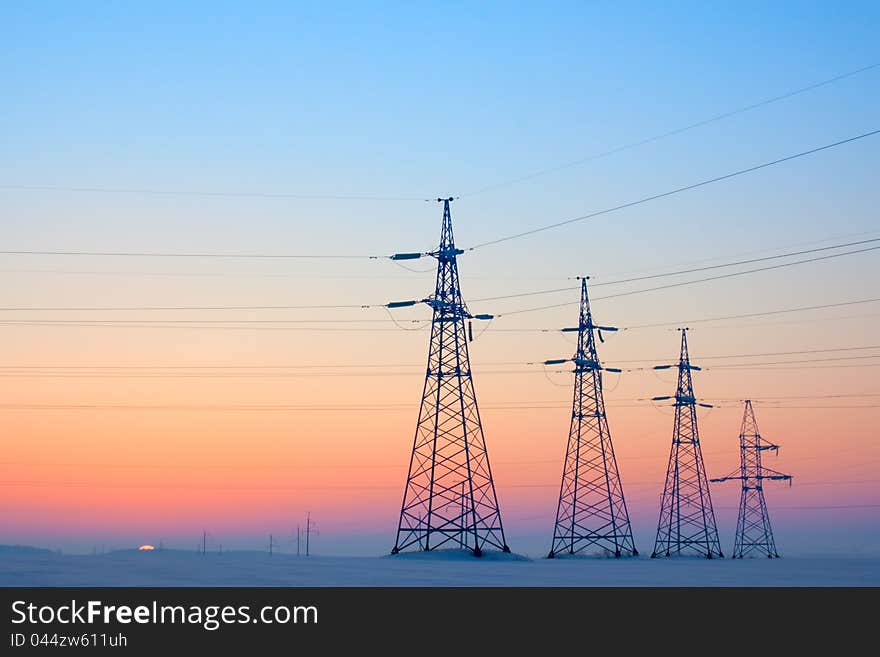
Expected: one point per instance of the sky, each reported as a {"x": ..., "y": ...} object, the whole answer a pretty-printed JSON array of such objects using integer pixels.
[{"x": 307, "y": 129}]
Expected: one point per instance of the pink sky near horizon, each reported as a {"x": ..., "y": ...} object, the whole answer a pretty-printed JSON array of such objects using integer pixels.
[{"x": 95, "y": 475}]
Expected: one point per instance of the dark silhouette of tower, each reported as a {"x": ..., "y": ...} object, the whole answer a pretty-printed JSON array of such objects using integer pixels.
[
  {"x": 753, "y": 532},
  {"x": 687, "y": 520},
  {"x": 449, "y": 500},
  {"x": 591, "y": 511}
]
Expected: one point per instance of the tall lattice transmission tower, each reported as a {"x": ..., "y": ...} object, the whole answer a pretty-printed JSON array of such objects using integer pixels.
[
  {"x": 753, "y": 531},
  {"x": 687, "y": 520},
  {"x": 450, "y": 499},
  {"x": 591, "y": 512}
]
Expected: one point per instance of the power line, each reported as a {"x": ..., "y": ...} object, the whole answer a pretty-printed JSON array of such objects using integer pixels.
[
  {"x": 680, "y": 272},
  {"x": 342, "y": 367},
  {"x": 244, "y": 407},
  {"x": 741, "y": 262},
  {"x": 236, "y": 466},
  {"x": 198, "y": 327},
  {"x": 742, "y": 254},
  {"x": 815, "y": 407},
  {"x": 305, "y": 366},
  {"x": 530, "y": 405},
  {"x": 166, "y": 254},
  {"x": 366, "y": 197},
  {"x": 672, "y": 192},
  {"x": 697, "y": 280},
  {"x": 827, "y": 396},
  {"x": 171, "y": 308},
  {"x": 188, "y": 486},
  {"x": 757, "y": 314},
  {"x": 670, "y": 133},
  {"x": 837, "y": 319},
  {"x": 829, "y": 507},
  {"x": 245, "y": 324},
  {"x": 514, "y": 312},
  {"x": 744, "y": 366},
  {"x": 294, "y": 329},
  {"x": 222, "y": 274},
  {"x": 481, "y": 244},
  {"x": 789, "y": 362},
  {"x": 780, "y": 365},
  {"x": 762, "y": 354},
  {"x": 207, "y": 274},
  {"x": 171, "y": 192},
  {"x": 325, "y": 466},
  {"x": 264, "y": 375},
  {"x": 287, "y": 374},
  {"x": 32, "y": 321}
]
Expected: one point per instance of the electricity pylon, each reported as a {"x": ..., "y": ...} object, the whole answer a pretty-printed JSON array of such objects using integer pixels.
[
  {"x": 591, "y": 511},
  {"x": 449, "y": 498},
  {"x": 687, "y": 520},
  {"x": 753, "y": 531}
]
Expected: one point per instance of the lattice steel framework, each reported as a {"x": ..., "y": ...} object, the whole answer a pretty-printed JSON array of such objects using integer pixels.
[
  {"x": 687, "y": 521},
  {"x": 591, "y": 512},
  {"x": 450, "y": 499},
  {"x": 753, "y": 531}
]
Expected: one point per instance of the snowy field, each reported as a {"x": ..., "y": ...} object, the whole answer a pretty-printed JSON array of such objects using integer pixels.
[{"x": 173, "y": 568}]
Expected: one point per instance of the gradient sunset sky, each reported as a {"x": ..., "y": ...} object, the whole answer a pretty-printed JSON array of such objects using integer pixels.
[{"x": 235, "y": 127}]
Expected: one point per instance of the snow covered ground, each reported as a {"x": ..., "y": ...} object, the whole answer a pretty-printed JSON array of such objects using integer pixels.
[{"x": 174, "y": 568}]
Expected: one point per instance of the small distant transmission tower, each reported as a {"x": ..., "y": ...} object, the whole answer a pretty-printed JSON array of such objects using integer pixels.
[
  {"x": 449, "y": 500},
  {"x": 311, "y": 528},
  {"x": 753, "y": 532},
  {"x": 591, "y": 510},
  {"x": 687, "y": 520}
]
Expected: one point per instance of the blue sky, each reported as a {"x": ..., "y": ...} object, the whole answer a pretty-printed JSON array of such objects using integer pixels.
[
  {"x": 423, "y": 100},
  {"x": 427, "y": 100}
]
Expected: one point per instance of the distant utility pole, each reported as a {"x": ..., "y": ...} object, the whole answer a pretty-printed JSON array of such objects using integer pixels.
[
  {"x": 591, "y": 513},
  {"x": 297, "y": 540},
  {"x": 753, "y": 532},
  {"x": 204, "y": 542},
  {"x": 271, "y": 542},
  {"x": 687, "y": 519},
  {"x": 309, "y": 528}
]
